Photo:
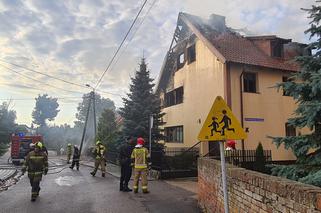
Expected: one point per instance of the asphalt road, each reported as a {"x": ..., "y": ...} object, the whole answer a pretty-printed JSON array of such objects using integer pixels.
[{"x": 79, "y": 192}]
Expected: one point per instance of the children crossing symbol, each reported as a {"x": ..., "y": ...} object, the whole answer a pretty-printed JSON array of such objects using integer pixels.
[{"x": 221, "y": 124}]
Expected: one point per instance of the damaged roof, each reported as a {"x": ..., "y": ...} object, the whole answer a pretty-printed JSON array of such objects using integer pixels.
[{"x": 235, "y": 47}]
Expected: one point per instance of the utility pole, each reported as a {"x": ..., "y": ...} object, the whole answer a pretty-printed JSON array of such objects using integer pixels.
[
  {"x": 151, "y": 119},
  {"x": 84, "y": 131},
  {"x": 94, "y": 105},
  {"x": 93, "y": 98}
]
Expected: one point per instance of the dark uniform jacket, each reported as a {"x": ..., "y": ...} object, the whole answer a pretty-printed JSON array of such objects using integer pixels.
[
  {"x": 36, "y": 164},
  {"x": 76, "y": 154},
  {"x": 125, "y": 154}
]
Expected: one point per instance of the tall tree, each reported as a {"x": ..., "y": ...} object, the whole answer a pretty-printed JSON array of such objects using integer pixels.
[
  {"x": 107, "y": 129},
  {"x": 305, "y": 88},
  {"x": 46, "y": 109},
  {"x": 7, "y": 125},
  {"x": 140, "y": 105},
  {"x": 101, "y": 105}
]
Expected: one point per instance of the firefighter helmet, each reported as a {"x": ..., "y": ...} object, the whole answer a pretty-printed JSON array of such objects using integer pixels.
[
  {"x": 140, "y": 141},
  {"x": 39, "y": 145}
]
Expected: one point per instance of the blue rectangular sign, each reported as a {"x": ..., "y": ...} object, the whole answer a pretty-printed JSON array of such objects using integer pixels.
[{"x": 254, "y": 119}]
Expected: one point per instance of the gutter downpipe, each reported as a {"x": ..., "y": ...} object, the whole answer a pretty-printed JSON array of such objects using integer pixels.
[{"x": 241, "y": 102}]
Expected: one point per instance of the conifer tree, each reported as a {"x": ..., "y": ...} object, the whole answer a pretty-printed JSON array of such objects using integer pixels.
[
  {"x": 140, "y": 105},
  {"x": 305, "y": 88}
]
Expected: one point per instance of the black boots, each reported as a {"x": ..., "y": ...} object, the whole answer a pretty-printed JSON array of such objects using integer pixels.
[{"x": 124, "y": 188}]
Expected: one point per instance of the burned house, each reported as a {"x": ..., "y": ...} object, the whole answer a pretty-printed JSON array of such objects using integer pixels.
[{"x": 206, "y": 59}]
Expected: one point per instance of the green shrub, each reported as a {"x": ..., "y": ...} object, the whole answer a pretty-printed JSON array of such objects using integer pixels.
[{"x": 259, "y": 164}]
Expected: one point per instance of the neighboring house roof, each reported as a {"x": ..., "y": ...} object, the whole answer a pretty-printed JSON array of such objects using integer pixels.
[{"x": 236, "y": 48}]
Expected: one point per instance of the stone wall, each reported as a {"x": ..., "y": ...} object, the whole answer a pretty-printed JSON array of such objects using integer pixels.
[{"x": 251, "y": 191}]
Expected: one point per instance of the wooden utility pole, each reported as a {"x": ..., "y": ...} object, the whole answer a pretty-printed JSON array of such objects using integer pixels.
[{"x": 84, "y": 131}]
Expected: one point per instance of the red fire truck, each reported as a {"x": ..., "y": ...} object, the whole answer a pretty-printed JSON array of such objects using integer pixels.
[{"x": 20, "y": 146}]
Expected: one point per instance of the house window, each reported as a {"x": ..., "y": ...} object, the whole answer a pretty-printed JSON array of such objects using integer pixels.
[
  {"x": 174, "y": 97},
  {"x": 174, "y": 134},
  {"x": 169, "y": 99},
  {"x": 191, "y": 54},
  {"x": 289, "y": 130},
  {"x": 249, "y": 82},
  {"x": 180, "y": 60},
  {"x": 285, "y": 79},
  {"x": 179, "y": 92}
]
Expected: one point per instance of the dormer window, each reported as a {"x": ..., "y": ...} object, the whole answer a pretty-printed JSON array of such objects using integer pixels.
[
  {"x": 191, "y": 54},
  {"x": 276, "y": 48}
]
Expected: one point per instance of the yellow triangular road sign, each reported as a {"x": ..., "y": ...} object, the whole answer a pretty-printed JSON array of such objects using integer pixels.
[{"x": 221, "y": 124}]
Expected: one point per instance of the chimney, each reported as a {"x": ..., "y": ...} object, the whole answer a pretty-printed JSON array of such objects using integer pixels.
[{"x": 217, "y": 22}]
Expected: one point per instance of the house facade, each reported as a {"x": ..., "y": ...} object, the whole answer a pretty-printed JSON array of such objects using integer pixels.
[{"x": 207, "y": 59}]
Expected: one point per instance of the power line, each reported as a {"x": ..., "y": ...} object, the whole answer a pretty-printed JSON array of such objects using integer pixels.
[
  {"x": 41, "y": 73},
  {"x": 121, "y": 44},
  {"x": 133, "y": 35},
  {"x": 50, "y": 76},
  {"x": 25, "y": 76},
  {"x": 25, "y": 99},
  {"x": 110, "y": 93}
]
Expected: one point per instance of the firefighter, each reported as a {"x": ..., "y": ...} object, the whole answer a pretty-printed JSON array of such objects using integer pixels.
[
  {"x": 36, "y": 164},
  {"x": 125, "y": 163},
  {"x": 75, "y": 158},
  {"x": 31, "y": 148},
  {"x": 68, "y": 152},
  {"x": 140, "y": 161},
  {"x": 44, "y": 148},
  {"x": 99, "y": 153}
]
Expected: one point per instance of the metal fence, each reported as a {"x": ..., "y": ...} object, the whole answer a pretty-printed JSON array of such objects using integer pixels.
[
  {"x": 245, "y": 158},
  {"x": 180, "y": 162},
  {"x": 175, "y": 162}
]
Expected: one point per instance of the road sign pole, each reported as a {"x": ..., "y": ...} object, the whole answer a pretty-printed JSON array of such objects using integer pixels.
[
  {"x": 150, "y": 135},
  {"x": 224, "y": 177}
]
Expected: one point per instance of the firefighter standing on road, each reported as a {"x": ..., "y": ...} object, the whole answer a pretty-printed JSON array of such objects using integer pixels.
[
  {"x": 125, "y": 163},
  {"x": 68, "y": 152},
  {"x": 99, "y": 152},
  {"x": 140, "y": 158},
  {"x": 36, "y": 164},
  {"x": 75, "y": 158}
]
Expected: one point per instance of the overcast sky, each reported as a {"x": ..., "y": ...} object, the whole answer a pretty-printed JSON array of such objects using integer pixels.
[{"x": 75, "y": 39}]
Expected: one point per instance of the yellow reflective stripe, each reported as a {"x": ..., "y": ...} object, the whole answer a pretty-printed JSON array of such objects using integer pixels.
[
  {"x": 144, "y": 187},
  {"x": 144, "y": 157},
  {"x": 135, "y": 187},
  {"x": 35, "y": 173},
  {"x": 36, "y": 157},
  {"x": 140, "y": 166}
]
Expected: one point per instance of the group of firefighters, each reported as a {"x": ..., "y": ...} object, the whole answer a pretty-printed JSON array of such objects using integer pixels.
[{"x": 130, "y": 156}]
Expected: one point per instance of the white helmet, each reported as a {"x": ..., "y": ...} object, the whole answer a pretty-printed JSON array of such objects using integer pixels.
[{"x": 31, "y": 145}]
